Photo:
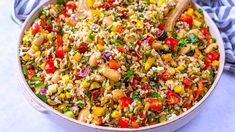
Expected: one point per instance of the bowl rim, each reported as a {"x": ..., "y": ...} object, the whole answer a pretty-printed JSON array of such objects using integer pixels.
[{"x": 25, "y": 85}]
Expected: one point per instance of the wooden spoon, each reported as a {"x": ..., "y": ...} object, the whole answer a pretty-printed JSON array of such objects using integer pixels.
[{"x": 175, "y": 13}]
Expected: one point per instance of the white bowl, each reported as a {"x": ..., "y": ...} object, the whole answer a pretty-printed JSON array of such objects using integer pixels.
[{"x": 75, "y": 125}]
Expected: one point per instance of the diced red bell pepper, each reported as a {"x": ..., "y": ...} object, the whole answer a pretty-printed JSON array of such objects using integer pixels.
[
  {"x": 123, "y": 122},
  {"x": 125, "y": 102},
  {"x": 172, "y": 98}
]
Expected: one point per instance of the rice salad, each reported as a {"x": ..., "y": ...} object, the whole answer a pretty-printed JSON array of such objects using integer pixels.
[{"x": 111, "y": 63}]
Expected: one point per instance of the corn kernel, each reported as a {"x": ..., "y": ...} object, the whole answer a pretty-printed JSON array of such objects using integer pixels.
[
  {"x": 145, "y": 79},
  {"x": 98, "y": 111},
  {"x": 115, "y": 114},
  {"x": 173, "y": 63},
  {"x": 190, "y": 11},
  {"x": 119, "y": 107},
  {"x": 152, "y": 1},
  {"x": 167, "y": 57},
  {"x": 146, "y": 106},
  {"x": 86, "y": 84},
  {"x": 149, "y": 63},
  {"x": 62, "y": 96},
  {"x": 162, "y": 118},
  {"x": 37, "y": 54},
  {"x": 35, "y": 47},
  {"x": 26, "y": 57},
  {"x": 90, "y": 2},
  {"x": 139, "y": 24},
  {"x": 215, "y": 63},
  {"x": 100, "y": 41},
  {"x": 65, "y": 79},
  {"x": 180, "y": 68},
  {"x": 100, "y": 47},
  {"x": 160, "y": 3},
  {"x": 179, "y": 89},
  {"x": 42, "y": 66},
  {"x": 68, "y": 95},
  {"x": 77, "y": 57},
  {"x": 87, "y": 28},
  {"x": 96, "y": 12}
]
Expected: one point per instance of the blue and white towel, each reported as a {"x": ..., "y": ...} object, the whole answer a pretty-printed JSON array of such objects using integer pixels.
[{"x": 221, "y": 11}]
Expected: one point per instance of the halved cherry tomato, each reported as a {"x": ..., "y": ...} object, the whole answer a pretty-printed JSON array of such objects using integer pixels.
[
  {"x": 100, "y": 121},
  {"x": 119, "y": 29},
  {"x": 123, "y": 122},
  {"x": 186, "y": 103},
  {"x": 172, "y": 98},
  {"x": 43, "y": 23},
  {"x": 205, "y": 32},
  {"x": 150, "y": 40},
  {"x": 213, "y": 55},
  {"x": 50, "y": 68},
  {"x": 72, "y": 6},
  {"x": 113, "y": 64},
  {"x": 59, "y": 40},
  {"x": 207, "y": 64},
  {"x": 49, "y": 28},
  {"x": 171, "y": 42},
  {"x": 121, "y": 49},
  {"x": 186, "y": 18},
  {"x": 199, "y": 90},
  {"x": 36, "y": 28},
  {"x": 187, "y": 82},
  {"x": 125, "y": 101},
  {"x": 59, "y": 52},
  {"x": 155, "y": 105},
  {"x": 134, "y": 124}
]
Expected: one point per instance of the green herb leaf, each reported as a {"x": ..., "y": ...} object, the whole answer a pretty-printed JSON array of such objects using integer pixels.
[
  {"x": 119, "y": 40},
  {"x": 81, "y": 105},
  {"x": 211, "y": 72},
  {"x": 182, "y": 42},
  {"x": 86, "y": 58},
  {"x": 34, "y": 78},
  {"x": 40, "y": 85},
  {"x": 129, "y": 73},
  {"x": 24, "y": 70},
  {"x": 42, "y": 97},
  {"x": 135, "y": 96}
]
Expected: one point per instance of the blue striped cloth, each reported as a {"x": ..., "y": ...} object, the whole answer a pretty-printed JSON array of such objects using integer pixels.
[{"x": 221, "y": 11}]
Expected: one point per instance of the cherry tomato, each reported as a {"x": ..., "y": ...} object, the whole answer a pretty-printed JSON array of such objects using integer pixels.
[
  {"x": 205, "y": 32},
  {"x": 155, "y": 104},
  {"x": 111, "y": 1},
  {"x": 83, "y": 47},
  {"x": 49, "y": 28},
  {"x": 59, "y": 52},
  {"x": 186, "y": 104},
  {"x": 123, "y": 122},
  {"x": 36, "y": 28},
  {"x": 172, "y": 98},
  {"x": 59, "y": 40},
  {"x": 171, "y": 42},
  {"x": 70, "y": 6},
  {"x": 187, "y": 82},
  {"x": 50, "y": 68},
  {"x": 31, "y": 73},
  {"x": 150, "y": 40},
  {"x": 161, "y": 27},
  {"x": 43, "y": 23},
  {"x": 186, "y": 18},
  {"x": 134, "y": 124},
  {"x": 213, "y": 55},
  {"x": 125, "y": 101}
]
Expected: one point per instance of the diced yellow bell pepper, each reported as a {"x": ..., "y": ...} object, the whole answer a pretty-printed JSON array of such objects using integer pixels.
[
  {"x": 160, "y": 3},
  {"x": 26, "y": 57},
  {"x": 146, "y": 106},
  {"x": 139, "y": 24},
  {"x": 179, "y": 89},
  {"x": 100, "y": 41},
  {"x": 100, "y": 47},
  {"x": 95, "y": 85},
  {"x": 86, "y": 83},
  {"x": 95, "y": 12},
  {"x": 42, "y": 66},
  {"x": 77, "y": 57},
  {"x": 37, "y": 54},
  {"x": 115, "y": 114},
  {"x": 35, "y": 47},
  {"x": 62, "y": 96},
  {"x": 190, "y": 11},
  {"x": 149, "y": 63},
  {"x": 98, "y": 111},
  {"x": 65, "y": 79},
  {"x": 215, "y": 63},
  {"x": 90, "y": 2},
  {"x": 173, "y": 63},
  {"x": 181, "y": 68},
  {"x": 152, "y": 1},
  {"x": 167, "y": 57}
]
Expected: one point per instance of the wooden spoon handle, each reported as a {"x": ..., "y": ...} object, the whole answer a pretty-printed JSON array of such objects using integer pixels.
[{"x": 175, "y": 13}]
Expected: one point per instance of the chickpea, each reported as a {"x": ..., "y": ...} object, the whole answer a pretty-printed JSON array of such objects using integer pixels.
[
  {"x": 112, "y": 74},
  {"x": 117, "y": 94},
  {"x": 211, "y": 47},
  {"x": 83, "y": 115},
  {"x": 38, "y": 41}
]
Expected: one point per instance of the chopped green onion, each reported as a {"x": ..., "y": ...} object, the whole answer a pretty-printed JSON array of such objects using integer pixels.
[
  {"x": 42, "y": 97},
  {"x": 24, "y": 70},
  {"x": 40, "y": 85},
  {"x": 34, "y": 78}
]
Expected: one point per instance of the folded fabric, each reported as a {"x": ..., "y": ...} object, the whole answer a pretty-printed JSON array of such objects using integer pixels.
[{"x": 221, "y": 11}]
